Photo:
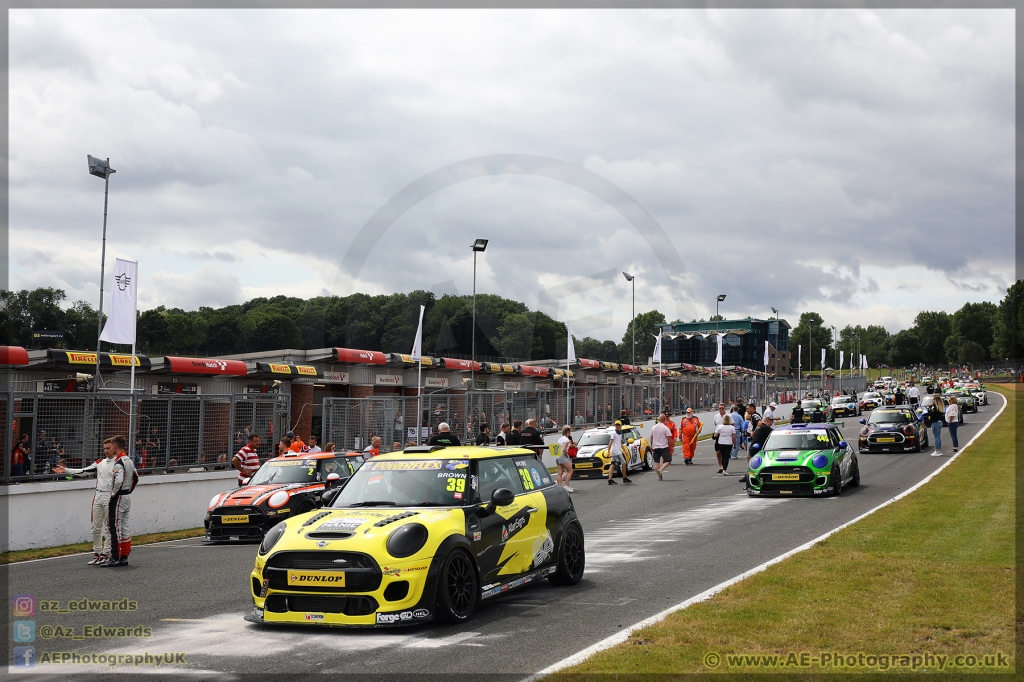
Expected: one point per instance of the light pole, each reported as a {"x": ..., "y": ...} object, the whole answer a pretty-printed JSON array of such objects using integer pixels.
[
  {"x": 775, "y": 364},
  {"x": 479, "y": 246},
  {"x": 632, "y": 278},
  {"x": 721, "y": 377},
  {"x": 835, "y": 352},
  {"x": 101, "y": 169}
]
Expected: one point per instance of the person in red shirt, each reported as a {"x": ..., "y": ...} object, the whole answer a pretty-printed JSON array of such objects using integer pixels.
[
  {"x": 247, "y": 460},
  {"x": 674, "y": 430},
  {"x": 689, "y": 428}
]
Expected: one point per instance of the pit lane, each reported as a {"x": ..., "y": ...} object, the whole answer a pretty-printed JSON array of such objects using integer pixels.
[{"x": 649, "y": 545}]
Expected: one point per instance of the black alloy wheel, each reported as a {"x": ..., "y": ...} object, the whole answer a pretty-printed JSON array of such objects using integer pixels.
[
  {"x": 837, "y": 481},
  {"x": 457, "y": 589},
  {"x": 572, "y": 559},
  {"x": 855, "y": 478}
]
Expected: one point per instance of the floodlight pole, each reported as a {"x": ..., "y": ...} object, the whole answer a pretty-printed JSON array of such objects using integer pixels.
[{"x": 103, "y": 263}]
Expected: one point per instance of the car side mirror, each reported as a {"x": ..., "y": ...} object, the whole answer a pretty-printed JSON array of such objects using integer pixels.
[
  {"x": 245, "y": 481},
  {"x": 502, "y": 497},
  {"x": 755, "y": 447},
  {"x": 328, "y": 497},
  {"x": 843, "y": 444},
  {"x": 332, "y": 480},
  {"x": 863, "y": 421}
]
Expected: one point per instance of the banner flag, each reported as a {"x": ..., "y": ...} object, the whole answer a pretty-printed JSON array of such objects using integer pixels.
[{"x": 120, "y": 326}]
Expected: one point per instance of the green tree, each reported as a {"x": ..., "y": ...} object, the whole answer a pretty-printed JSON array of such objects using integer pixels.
[
  {"x": 515, "y": 335},
  {"x": 151, "y": 332},
  {"x": 811, "y": 330},
  {"x": 904, "y": 348},
  {"x": 972, "y": 328},
  {"x": 1008, "y": 327},
  {"x": 186, "y": 331},
  {"x": 932, "y": 328}
]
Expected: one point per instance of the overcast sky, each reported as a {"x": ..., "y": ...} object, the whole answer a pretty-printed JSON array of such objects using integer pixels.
[{"x": 857, "y": 163}]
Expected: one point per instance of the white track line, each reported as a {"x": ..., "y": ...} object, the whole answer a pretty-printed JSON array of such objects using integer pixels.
[{"x": 624, "y": 634}]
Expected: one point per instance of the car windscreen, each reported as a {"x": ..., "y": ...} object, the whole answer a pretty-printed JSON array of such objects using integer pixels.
[
  {"x": 594, "y": 439},
  {"x": 842, "y": 400},
  {"x": 286, "y": 471},
  {"x": 890, "y": 416},
  {"x": 803, "y": 440},
  {"x": 408, "y": 483},
  {"x": 809, "y": 404}
]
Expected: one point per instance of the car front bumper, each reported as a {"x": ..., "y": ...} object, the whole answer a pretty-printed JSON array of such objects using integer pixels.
[{"x": 809, "y": 483}]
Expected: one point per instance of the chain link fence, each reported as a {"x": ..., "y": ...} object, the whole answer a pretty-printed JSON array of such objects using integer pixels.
[{"x": 172, "y": 432}]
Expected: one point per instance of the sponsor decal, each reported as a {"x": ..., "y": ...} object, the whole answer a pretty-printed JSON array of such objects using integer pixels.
[
  {"x": 336, "y": 377},
  {"x": 305, "y": 370},
  {"x": 535, "y": 476},
  {"x": 402, "y": 616},
  {"x": 81, "y": 358},
  {"x": 276, "y": 368},
  {"x": 473, "y": 482},
  {"x": 513, "y": 527},
  {"x": 420, "y": 613},
  {"x": 405, "y": 466},
  {"x": 456, "y": 465},
  {"x": 490, "y": 593},
  {"x": 457, "y": 496},
  {"x": 314, "y": 616},
  {"x": 321, "y": 544},
  {"x": 477, "y": 536},
  {"x": 388, "y": 380},
  {"x": 436, "y": 382},
  {"x": 391, "y": 571},
  {"x": 336, "y": 579},
  {"x": 123, "y": 360},
  {"x": 346, "y": 523}
]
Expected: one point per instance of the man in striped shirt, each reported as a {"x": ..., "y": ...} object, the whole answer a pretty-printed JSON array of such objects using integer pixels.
[{"x": 247, "y": 460}]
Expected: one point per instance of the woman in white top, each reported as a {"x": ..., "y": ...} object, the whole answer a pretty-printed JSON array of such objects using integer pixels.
[
  {"x": 953, "y": 421},
  {"x": 564, "y": 474},
  {"x": 725, "y": 434}
]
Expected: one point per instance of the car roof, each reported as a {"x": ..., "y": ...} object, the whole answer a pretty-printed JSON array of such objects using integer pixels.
[
  {"x": 457, "y": 451},
  {"x": 316, "y": 455}
]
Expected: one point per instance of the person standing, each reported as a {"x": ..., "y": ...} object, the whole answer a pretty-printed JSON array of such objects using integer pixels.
[
  {"x": 722, "y": 414},
  {"x": 933, "y": 419},
  {"x": 484, "y": 437},
  {"x": 617, "y": 452},
  {"x": 770, "y": 412},
  {"x": 530, "y": 435},
  {"x": 104, "y": 468},
  {"x": 797, "y": 416},
  {"x": 689, "y": 428},
  {"x": 247, "y": 460},
  {"x": 444, "y": 436},
  {"x": 515, "y": 435},
  {"x": 124, "y": 480},
  {"x": 313, "y": 447},
  {"x": 564, "y": 462},
  {"x": 623, "y": 417},
  {"x": 759, "y": 436},
  {"x": 953, "y": 421},
  {"x": 660, "y": 439},
  {"x": 913, "y": 394},
  {"x": 739, "y": 424},
  {"x": 726, "y": 433},
  {"x": 502, "y": 437},
  {"x": 675, "y": 433},
  {"x": 371, "y": 450}
]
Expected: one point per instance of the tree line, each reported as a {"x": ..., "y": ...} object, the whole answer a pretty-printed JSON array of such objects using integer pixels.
[{"x": 506, "y": 329}]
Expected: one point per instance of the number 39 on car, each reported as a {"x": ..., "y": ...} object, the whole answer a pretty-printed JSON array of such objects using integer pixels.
[{"x": 419, "y": 535}]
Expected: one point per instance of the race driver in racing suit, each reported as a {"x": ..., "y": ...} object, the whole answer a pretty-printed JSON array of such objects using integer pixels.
[
  {"x": 125, "y": 478},
  {"x": 104, "y": 469}
]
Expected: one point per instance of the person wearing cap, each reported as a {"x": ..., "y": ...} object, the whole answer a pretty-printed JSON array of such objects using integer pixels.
[
  {"x": 297, "y": 443},
  {"x": 444, "y": 436},
  {"x": 617, "y": 452},
  {"x": 689, "y": 428},
  {"x": 770, "y": 412}
]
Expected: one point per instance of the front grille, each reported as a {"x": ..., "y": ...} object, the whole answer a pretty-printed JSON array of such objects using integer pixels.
[
  {"x": 321, "y": 560},
  {"x": 236, "y": 531},
  {"x": 873, "y": 438},
  {"x": 362, "y": 574},
  {"x": 806, "y": 474},
  {"x": 596, "y": 465},
  {"x": 307, "y": 603}
]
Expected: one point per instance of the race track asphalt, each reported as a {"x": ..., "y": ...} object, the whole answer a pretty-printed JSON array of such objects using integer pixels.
[{"x": 649, "y": 546}]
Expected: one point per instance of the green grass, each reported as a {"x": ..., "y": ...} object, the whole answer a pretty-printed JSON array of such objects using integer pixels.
[
  {"x": 64, "y": 550},
  {"x": 933, "y": 573}
]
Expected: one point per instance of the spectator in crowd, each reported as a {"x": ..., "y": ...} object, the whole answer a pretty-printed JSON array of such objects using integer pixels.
[
  {"x": 247, "y": 460},
  {"x": 661, "y": 436},
  {"x": 515, "y": 435},
  {"x": 623, "y": 417},
  {"x": 618, "y": 454},
  {"x": 329, "y": 446},
  {"x": 56, "y": 452},
  {"x": 373, "y": 449},
  {"x": 953, "y": 421},
  {"x": 579, "y": 420},
  {"x": 18, "y": 459},
  {"x": 725, "y": 433},
  {"x": 297, "y": 444},
  {"x": 484, "y": 437},
  {"x": 531, "y": 435},
  {"x": 444, "y": 436},
  {"x": 313, "y": 447},
  {"x": 284, "y": 446},
  {"x": 722, "y": 414},
  {"x": 563, "y": 461},
  {"x": 396, "y": 446},
  {"x": 502, "y": 437}
]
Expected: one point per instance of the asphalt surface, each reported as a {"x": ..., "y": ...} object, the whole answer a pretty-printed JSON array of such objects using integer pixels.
[{"x": 649, "y": 546}]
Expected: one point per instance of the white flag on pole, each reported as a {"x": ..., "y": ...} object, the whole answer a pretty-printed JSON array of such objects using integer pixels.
[
  {"x": 718, "y": 358},
  {"x": 823, "y": 358},
  {"x": 120, "y": 326},
  {"x": 657, "y": 348},
  {"x": 417, "y": 345},
  {"x": 766, "y": 356},
  {"x": 571, "y": 350},
  {"x": 841, "y": 359}
]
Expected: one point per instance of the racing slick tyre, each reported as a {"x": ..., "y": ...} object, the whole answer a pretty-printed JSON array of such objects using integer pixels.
[
  {"x": 572, "y": 558},
  {"x": 917, "y": 445},
  {"x": 303, "y": 508},
  {"x": 837, "y": 481},
  {"x": 457, "y": 588},
  {"x": 648, "y": 460},
  {"x": 855, "y": 476}
]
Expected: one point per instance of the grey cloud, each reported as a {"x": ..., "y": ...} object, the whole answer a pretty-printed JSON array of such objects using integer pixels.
[{"x": 216, "y": 255}]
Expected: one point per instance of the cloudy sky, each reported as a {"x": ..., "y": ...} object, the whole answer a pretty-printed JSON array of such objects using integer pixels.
[{"x": 857, "y": 163}]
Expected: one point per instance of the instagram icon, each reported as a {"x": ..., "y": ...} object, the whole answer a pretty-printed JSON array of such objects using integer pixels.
[{"x": 23, "y": 605}]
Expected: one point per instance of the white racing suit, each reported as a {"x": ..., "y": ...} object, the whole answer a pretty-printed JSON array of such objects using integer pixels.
[
  {"x": 104, "y": 469},
  {"x": 124, "y": 480}
]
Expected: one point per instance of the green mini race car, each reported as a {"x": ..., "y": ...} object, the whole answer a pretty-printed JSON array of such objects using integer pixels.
[
  {"x": 803, "y": 459},
  {"x": 967, "y": 401}
]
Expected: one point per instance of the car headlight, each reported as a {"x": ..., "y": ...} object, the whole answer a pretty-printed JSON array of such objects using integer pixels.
[
  {"x": 406, "y": 540},
  {"x": 214, "y": 500},
  {"x": 756, "y": 462},
  {"x": 278, "y": 499},
  {"x": 819, "y": 461},
  {"x": 271, "y": 538}
]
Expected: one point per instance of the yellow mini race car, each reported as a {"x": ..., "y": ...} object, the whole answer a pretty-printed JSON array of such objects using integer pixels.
[
  {"x": 592, "y": 458},
  {"x": 419, "y": 535}
]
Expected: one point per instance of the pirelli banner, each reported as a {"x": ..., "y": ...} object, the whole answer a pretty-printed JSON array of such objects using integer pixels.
[
  {"x": 408, "y": 359},
  {"x": 497, "y": 368},
  {"x": 288, "y": 370},
  {"x": 74, "y": 358}
]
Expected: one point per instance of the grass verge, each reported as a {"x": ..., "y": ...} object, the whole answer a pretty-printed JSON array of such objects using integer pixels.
[
  {"x": 64, "y": 550},
  {"x": 930, "y": 575}
]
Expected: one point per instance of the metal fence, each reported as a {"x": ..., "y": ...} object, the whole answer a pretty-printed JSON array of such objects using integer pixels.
[{"x": 172, "y": 432}]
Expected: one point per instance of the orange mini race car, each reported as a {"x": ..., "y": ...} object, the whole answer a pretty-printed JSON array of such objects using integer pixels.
[{"x": 284, "y": 486}]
